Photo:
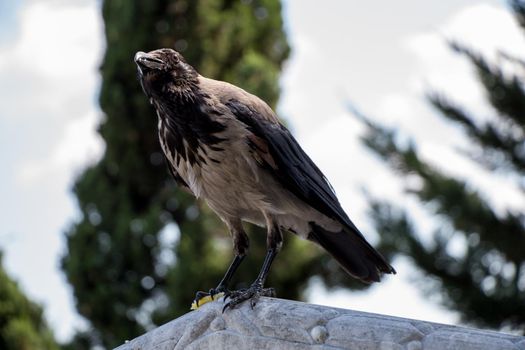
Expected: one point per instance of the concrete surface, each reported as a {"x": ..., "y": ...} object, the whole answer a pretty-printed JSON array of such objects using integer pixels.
[{"x": 276, "y": 324}]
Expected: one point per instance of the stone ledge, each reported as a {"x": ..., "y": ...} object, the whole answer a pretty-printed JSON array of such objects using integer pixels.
[{"x": 283, "y": 324}]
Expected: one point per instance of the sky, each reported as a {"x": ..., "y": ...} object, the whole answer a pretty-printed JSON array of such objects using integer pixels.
[{"x": 380, "y": 56}]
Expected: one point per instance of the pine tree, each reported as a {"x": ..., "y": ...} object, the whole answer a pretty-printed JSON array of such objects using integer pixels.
[
  {"x": 487, "y": 283},
  {"x": 125, "y": 277},
  {"x": 22, "y": 325}
]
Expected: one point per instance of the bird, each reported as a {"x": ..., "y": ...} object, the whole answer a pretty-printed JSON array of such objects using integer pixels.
[{"x": 228, "y": 147}]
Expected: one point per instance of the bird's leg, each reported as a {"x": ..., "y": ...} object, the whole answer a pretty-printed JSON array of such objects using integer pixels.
[
  {"x": 274, "y": 243},
  {"x": 222, "y": 287},
  {"x": 240, "y": 247}
]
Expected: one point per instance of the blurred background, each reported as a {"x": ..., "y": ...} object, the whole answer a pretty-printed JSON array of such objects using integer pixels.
[{"x": 414, "y": 111}]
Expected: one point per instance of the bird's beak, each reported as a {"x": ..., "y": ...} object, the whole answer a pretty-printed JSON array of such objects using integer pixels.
[{"x": 146, "y": 61}]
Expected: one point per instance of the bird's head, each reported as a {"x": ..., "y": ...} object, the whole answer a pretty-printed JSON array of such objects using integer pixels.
[{"x": 163, "y": 70}]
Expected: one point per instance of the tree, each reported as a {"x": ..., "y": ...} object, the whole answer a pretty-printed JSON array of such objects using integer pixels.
[
  {"x": 125, "y": 276},
  {"x": 487, "y": 283},
  {"x": 22, "y": 325}
]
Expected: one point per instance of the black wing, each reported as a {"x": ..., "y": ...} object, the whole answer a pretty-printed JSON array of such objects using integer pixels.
[
  {"x": 291, "y": 165},
  {"x": 279, "y": 152}
]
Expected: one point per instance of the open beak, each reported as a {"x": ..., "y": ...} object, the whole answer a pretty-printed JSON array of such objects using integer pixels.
[{"x": 146, "y": 61}]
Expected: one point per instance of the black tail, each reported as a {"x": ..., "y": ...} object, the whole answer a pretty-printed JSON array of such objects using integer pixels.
[{"x": 353, "y": 252}]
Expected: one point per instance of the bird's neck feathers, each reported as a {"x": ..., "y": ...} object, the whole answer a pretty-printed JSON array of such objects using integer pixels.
[
  {"x": 182, "y": 90},
  {"x": 181, "y": 100},
  {"x": 177, "y": 99},
  {"x": 187, "y": 121}
]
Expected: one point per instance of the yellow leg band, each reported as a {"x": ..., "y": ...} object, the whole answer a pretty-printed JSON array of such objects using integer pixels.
[{"x": 206, "y": 299}]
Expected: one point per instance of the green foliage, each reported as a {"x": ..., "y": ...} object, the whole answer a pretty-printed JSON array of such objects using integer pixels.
[
  {"x": 22, "y": 325},
  {"x": 119, "y": 263},
  {"x": 487, "y": 283}
]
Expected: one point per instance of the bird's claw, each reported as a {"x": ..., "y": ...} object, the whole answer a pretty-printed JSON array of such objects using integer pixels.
[
  {"x": 233, "y": 294},
  {"x": 253, "y": 293}
]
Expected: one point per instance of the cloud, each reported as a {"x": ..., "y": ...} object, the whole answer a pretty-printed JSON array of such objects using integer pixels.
[
  {"x": 49, "y": 77},
  {"x": 52, "y": 57},
  {"x": 48, "y": 119},
  {"x": 487, "y": 29},
  {"x": 79, "y": 145},
  {"x": 440, "y": 69}
]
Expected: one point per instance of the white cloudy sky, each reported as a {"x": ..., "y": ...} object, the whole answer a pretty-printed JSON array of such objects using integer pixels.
[{"x": 381, "y": 55}]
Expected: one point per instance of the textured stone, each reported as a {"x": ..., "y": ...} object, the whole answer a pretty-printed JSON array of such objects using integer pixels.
[
  {"x": 463, "y": 338},
  {"x": 319, "y": 334},
  {"x": 218, "y": 324},
  {"x": 364, "y": 327},
  {"x": 282, "y": 324},
  {"x": 414, "y": 345}
]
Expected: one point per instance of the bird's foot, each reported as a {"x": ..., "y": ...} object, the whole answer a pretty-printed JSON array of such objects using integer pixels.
[
  {"x": 202, "y": 298},
  {"x": 252, "y": 293}
]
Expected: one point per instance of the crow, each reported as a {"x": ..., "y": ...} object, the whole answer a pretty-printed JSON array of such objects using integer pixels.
[{"x": 229, "y": 148}]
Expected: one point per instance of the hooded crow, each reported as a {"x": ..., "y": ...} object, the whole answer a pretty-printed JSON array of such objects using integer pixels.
[{"x": 229, "y": 148}]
